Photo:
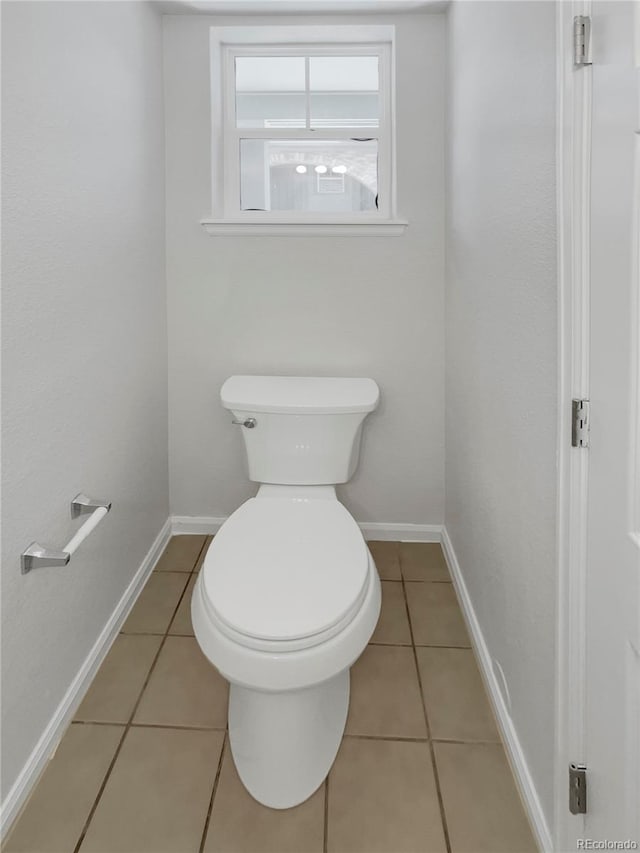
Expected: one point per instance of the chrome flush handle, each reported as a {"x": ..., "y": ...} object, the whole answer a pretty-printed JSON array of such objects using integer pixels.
[{"x": 249, "y": 423}]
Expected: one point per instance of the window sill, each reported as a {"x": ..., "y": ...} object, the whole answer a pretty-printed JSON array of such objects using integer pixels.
[{"x": 382, "y": 227}]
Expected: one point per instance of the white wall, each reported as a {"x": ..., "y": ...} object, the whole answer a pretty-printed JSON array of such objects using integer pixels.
[
  {"x": 321, "y": 305},
  {"x": 501, "y": 347},
  {"x": 84, "y": 333}
]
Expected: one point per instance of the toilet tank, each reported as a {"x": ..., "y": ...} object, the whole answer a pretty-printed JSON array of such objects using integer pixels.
[{"x": 307, "y": 429}]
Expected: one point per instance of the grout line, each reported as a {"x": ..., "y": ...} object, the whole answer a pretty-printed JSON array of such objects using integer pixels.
[
  {"x": 214, "y": 791},
  {"x": 133, "y": 725},
  {"x": 370, "y": 643},
  {"x": 468, "y": 742},
  {"x": 129, "y": 722},
  {"x": 388, "y": 737},
  {"x": 205, "y": 544},
  {"x": 127, "y": 727},
  {"x": 326, "y": 814},
  {"x": 123, "y": 725},
  {"x": 143, "y": 633},
  {"x": 100, "y": 790},
  {"x": 418, "y": 645},
  {"x": 178, "y": 727},
  {"x": 443, "y": 817},
  {"x": 173, "y": 615},
  {"x": 410, "y": 580}
]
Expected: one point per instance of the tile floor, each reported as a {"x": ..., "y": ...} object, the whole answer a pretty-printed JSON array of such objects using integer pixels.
[{"x": 145, "y": 767}]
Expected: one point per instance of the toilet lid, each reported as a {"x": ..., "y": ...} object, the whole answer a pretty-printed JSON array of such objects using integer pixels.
[{"x": 283, "y": 569}]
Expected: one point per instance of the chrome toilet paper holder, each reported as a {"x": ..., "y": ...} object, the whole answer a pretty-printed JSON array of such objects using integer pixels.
[{"x": 37, "y": 556}]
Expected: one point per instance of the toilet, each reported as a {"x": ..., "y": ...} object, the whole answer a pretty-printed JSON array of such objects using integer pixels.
[{"x": 289, "y": 595}]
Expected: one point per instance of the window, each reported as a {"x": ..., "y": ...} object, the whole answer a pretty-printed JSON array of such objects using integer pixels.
[
  {"x": 304, "y": 132},
  {"x": 303, "y": 128}
]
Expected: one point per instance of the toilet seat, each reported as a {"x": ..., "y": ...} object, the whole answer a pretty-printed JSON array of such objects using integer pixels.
[{"x": 286, "y": 574}]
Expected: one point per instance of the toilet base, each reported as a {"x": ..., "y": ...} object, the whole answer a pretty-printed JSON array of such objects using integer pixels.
[{"x": 283, "y": 744}]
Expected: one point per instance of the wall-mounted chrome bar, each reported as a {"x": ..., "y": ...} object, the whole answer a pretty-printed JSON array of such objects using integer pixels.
[
  {"x": 82, "y": 504},
  {"x": 36, "y": 556}
]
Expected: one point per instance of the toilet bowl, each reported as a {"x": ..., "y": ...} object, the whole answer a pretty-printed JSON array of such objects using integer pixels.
[{"x": 288, "y": 595}]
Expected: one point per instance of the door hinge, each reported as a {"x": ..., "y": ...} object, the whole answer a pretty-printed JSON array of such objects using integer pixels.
[
  {"x": 581, "y": 41},
  {"x": 577, "y": 789},
  {"x": 579, "y": 423}
]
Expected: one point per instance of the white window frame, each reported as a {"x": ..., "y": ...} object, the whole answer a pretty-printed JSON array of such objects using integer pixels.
[
  {"x": 229, "y": 42},
  {"x": 233, "y": 134}
]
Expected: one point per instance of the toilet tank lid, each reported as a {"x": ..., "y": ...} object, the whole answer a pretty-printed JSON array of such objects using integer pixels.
[{"x": 299, "y": 394}]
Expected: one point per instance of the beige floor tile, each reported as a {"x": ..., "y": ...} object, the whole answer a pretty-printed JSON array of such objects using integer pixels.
[
  {"x": 184, "y": 689},
  {"x": 382, "y": 799},
  {"x": 115, "y": 690},
  {"x": 241, "y": 825},
  {"x": 181, "y": 554},
  {"x": 385, "y": 694},
  {"x": 393, "y": 624},
  {"x": 387, "y": 559},
  {"x": 156, "y": 604},
  {"x": 182, "y": 620},
  {"x": 482, "y": 807},
  {"x": 157, "y": 797},
  {"x": 436, "y": 617},
  {"x": 60, "y": 805},
  {"x": 454, "y": 694},
  {"x": 423, "y": 561}
]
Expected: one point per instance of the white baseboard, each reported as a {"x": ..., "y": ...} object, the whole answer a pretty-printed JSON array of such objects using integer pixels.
[
  {"x": 509, "y": 734},
  {"x": 201, "y": 524},
  {"x": 371, "y": 530},
  {"x": 65, "y": 711},
  {"x": 392, "y": 532}
]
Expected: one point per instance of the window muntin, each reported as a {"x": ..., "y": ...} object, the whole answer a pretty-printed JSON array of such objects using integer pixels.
[{"x": 313, "y": 107}]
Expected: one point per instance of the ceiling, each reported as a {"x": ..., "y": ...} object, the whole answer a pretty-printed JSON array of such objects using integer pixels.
[{"x": 296, "y": 7}]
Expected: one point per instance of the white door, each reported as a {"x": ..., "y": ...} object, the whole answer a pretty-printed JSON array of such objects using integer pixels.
[{"x": 612, "y": 712}]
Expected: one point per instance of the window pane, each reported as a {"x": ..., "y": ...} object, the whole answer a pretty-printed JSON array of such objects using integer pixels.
[
  {"x": 269, "y": 73},
  {"x": 324, "y": 176},
  {"x": 272, "y": 109},
  {"x": 270, "y": 91},
  {"x": 344, "y": 91},
  {"x": 343, "y": 74},
  {"x": 344, "y": 109}
]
